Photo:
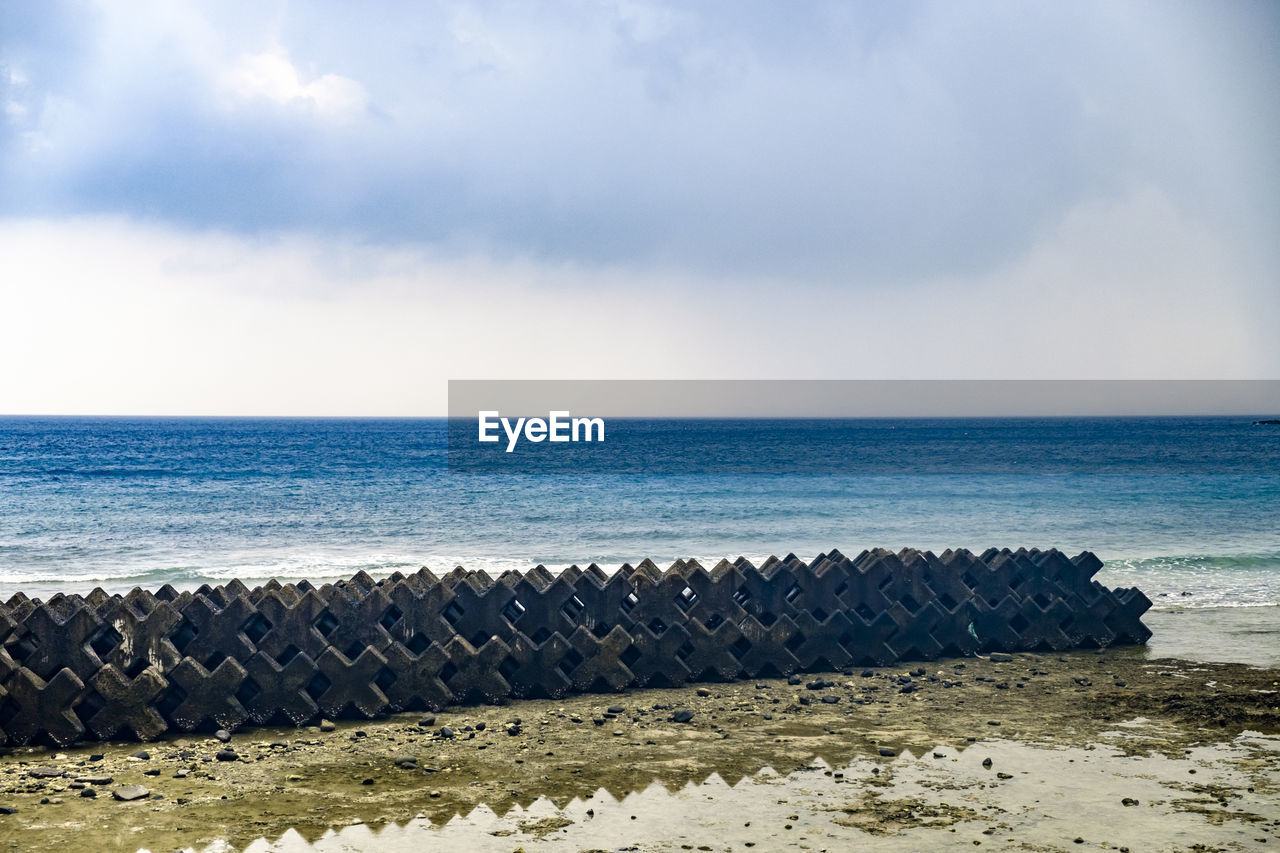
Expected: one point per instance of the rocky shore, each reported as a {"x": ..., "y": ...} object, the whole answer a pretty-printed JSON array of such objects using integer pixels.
[{"x": 860, "y": 733}]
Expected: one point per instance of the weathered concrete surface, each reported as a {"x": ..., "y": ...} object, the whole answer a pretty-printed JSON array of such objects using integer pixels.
[{"x": 100, "y": 665}]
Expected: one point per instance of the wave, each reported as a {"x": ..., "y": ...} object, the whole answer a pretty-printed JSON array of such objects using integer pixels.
[
  {"x": 1172, "y": 581},
  {"x": 1193, "y": 581}
]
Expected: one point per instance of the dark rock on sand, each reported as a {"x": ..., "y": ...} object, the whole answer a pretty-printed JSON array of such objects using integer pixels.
[
  {"x": 684, "y": 715},
  {"x": 223, "y": 735},
  {"x": 141, "y": 754},
  {"x": 1001, "y": 657},
  {"x": 226, "y": 755}
]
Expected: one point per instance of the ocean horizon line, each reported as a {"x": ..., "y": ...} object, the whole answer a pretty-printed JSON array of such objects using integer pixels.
[{"x": 684, "y": 417}]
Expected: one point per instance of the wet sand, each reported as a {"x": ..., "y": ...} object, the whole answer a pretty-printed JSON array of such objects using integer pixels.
[{"x": 1114, "y": 749}]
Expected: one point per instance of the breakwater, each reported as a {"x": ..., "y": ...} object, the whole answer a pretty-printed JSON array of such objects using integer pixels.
[{"x": 102, "y": 666}]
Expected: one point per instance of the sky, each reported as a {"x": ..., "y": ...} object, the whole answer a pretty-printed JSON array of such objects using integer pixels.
[{"x": 333, "y": 209}]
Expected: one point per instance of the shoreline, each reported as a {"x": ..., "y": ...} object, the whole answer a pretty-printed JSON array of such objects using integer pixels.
[{"x": 401, "y": 778}]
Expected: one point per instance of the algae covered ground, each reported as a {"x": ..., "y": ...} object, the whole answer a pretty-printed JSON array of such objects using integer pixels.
[{"x": 1085, "y": 750}]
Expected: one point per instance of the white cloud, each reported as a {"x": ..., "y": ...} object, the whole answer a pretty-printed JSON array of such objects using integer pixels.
[
  {"x": 272, "y": 76},
  {"x": 105, "y": 316}
]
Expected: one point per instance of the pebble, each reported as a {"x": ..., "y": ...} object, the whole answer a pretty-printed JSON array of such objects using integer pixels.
[
  {"x": 616, "y": 709},
  {"x": 886, "y": 752},
  {"x": 327, "y": 725},
  {"x": 684, "y": 715},
  {"x": 90, "y": 793},
  {"x": 141, "y": 755},
  {"x": 428, "y": 721},
  {"x": 126, "y": 793},
  {"x": 1001, "y": 657},
  {"x": 223, "y": 735},
  {"x": 226, "y": 755},
  {"x": 703, "y": 692},
  {"x": 447, "y": 732}
]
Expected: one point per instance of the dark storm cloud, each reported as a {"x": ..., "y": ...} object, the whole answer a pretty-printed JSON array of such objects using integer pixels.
[{"x": 816, "y": 141}]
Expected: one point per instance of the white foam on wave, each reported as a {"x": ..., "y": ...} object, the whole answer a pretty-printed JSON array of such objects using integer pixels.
[{"x": 1192, "y": 581}]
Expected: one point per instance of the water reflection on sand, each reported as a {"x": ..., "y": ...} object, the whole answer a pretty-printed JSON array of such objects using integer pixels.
[{"x": 1038, "y": 795}]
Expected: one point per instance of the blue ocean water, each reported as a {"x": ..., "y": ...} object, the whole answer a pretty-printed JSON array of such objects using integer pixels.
[{"x": 1188, "y": 509}]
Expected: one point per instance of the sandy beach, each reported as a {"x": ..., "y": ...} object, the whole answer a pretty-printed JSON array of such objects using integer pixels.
[{"x": 1084, "y": 750}]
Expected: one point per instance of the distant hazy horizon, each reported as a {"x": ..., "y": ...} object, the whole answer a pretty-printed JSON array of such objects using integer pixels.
[{"x": 817, "y": 399}]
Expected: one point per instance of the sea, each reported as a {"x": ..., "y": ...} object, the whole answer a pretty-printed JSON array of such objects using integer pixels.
[{"x": 1186, "y": 509}]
